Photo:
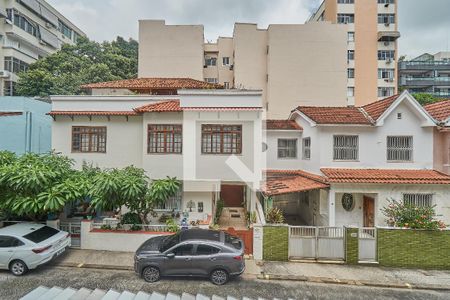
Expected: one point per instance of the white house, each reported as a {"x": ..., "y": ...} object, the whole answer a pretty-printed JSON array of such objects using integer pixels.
[
  {"x": 341, "y": 165},
  {"x": 209, "y": 139}
]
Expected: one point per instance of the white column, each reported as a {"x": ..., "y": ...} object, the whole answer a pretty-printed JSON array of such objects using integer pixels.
[
  {"x": 331, "y": 208},
  {"x": 258, "y": 241}
]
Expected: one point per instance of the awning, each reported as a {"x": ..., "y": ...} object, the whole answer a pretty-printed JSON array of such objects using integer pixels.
[
  {"x": 388, "y": 36},
  {"x": 48, "y": 37},
  {"x": 280, "y": 182}
]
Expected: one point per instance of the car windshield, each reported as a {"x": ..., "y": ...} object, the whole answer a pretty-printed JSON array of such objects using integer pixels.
[
  {"x": 169, "y": 242},
  {"x": 233, "y": 241},
  {"x": 41, "y": 234}
]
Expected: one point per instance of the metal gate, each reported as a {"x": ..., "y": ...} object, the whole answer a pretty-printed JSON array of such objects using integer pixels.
[
  {"x": 309, "y": 242},
  {"x": 367, "y": 244},
  {"x": 74, "y": 228}
]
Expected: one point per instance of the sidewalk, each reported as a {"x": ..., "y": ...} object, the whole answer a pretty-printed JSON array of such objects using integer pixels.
[{"x": 356, "y": 275}]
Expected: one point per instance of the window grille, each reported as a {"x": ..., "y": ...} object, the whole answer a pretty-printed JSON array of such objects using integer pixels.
[
  {"x": 306, "y": 148},
  {"x": 345, "y": 147},
  {"x": 399, "y": 148},
  {"x": 419, "y": 200}
]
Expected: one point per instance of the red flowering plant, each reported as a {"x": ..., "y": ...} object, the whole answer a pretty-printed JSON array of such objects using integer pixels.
[{"x": 410, "y": 216}]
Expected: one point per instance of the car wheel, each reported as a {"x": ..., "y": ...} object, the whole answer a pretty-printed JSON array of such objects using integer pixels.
[
  {"x": 219, "y": 277},
  {"x": 18, "y": 267},
  {"x": 151, "y": 274}
]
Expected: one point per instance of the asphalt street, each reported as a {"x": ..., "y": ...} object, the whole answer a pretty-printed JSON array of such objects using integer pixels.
[{"x": 14, "y": 287}]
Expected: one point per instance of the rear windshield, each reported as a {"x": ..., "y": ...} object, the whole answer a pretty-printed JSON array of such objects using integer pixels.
[
  {"x": 41, "y": 234},
  {"x": 233, "y": 241}
]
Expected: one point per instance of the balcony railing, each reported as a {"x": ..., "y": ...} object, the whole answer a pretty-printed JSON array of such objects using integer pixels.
[
  {"x": 425, "y": 81},
  {"x": 424, "y": 65}
]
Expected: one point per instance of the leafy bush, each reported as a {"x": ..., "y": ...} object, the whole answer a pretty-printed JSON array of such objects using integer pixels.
[
  {"x": 106, "y": 227},
  {"x": 410, "y": 216},
  {"x": 164, "y": 218},
  {"x": 130, "y": 218},
  {"x": 219, "y": 208},
  {"x": 172, "y": 226},
  {"x": 274, "y": 216}
]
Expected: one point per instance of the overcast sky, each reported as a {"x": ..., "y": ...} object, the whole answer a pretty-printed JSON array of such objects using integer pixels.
[{"x": 424, "y": 24}]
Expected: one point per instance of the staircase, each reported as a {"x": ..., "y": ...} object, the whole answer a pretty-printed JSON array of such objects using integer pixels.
[{"x": 57, "y": 293}]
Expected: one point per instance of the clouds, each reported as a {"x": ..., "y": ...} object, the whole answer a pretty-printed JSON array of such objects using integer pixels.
[{"x": 424, "y": 25}]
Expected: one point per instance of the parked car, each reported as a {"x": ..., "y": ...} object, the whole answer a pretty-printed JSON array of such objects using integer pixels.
[
  {"x": 194, "y": 252},
  {"x": 26, "y": 246}
]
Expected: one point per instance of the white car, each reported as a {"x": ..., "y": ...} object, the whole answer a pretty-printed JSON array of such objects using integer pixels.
[{"x": 26, "y": 246}]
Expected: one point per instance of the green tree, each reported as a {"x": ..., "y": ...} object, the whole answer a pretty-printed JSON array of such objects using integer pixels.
[
  {"x": 424, "y": 98},
  {"x": 63, "y": 72}
]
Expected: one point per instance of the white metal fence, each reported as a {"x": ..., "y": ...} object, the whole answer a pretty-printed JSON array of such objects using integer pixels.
[
  {"x": 74, "y": 229},
  {"x": 367, "y": 244}
]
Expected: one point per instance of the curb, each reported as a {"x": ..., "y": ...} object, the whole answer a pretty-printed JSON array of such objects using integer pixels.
[
  {"x": 328, "y": 280},
  {"x": 94, "y": 266}
]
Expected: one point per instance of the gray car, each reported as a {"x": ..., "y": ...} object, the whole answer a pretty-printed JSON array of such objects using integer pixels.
[{"x": 193, "y": 252}]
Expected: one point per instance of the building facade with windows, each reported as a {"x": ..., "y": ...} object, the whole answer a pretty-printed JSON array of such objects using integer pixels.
[
  {"x": 429, "y": 74},
  {"x": 30, "y": 29},
  {"x": 365, "y": 156},
  {"x": 208, "y": 139},
  {"x": 372, "y": 33},
  {"x": 303, "y": 64}
]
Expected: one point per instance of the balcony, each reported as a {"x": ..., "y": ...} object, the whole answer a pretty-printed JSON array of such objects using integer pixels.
[
  {"x": 424, "y": 81},
  {"x": 424, "y": 65},
  {"x": 388, "y": 36}
]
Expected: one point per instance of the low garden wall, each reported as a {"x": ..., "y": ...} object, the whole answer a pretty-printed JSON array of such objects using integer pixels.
[{"x": 414, "y": 248}]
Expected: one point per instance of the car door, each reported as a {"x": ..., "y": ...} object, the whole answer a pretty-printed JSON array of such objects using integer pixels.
[
  {"x": 205, "y": 258},
  {"x": 181, "y": 261},
  {"x": 8, "y": 245}
]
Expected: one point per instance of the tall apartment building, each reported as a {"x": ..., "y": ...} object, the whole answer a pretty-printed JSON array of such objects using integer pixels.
[
  {"x": 426, "y": 74},
  {"x": 29, "y": 30},
  {"x": 303, "y": 64},
  {"x": 372, "y": 30}
]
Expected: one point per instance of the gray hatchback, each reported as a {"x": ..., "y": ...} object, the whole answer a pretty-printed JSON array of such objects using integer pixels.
[{"x": 193, "y": 252}]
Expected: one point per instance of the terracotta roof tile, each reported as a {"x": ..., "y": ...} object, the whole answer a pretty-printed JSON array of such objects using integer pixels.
[
  {"x": 385, "y": 176},
  {"x": 153, "y": 83},
  {"x": 440, "y": 111},
  {"x": 282, "y": 125},
  {"x": 92, "y": 113},
  {"x": 377, "y": 108},
  {"x": 335, "y": 115},
  {"x": 279, "y": 182},
  {"x": 10, "y": 113},
  {"x": 166, "y": 106}
]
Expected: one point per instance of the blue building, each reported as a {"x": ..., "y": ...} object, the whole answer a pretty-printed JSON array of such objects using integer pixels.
[{"x": 24, "y": 125}]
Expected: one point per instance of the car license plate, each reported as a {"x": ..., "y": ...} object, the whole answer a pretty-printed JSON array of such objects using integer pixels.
[{"x": 60, "y": 251}]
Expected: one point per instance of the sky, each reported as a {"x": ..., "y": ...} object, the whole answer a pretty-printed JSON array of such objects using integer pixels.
[{"x": 423, "y": 24}]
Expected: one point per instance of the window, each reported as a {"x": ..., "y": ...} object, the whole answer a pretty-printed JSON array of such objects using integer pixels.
[
  {"x": 350, "y": 73},
  {"x": 351, "y": 54},
  {"x": 164, "y": 138},
  {"x": 226, "y": 85},
  {"x": 15, "y": 65},
  {"x": 225, "y": 61},
  {"x": 211, "y": 80},
  {"x": 346, "y": 18},
  {"x": 206, "y": 250},
  {"x": 89, "y": 139},
  {"x": 419, "y": 200},
  {"x": 386, "y": 73},
  {"x": 9, "y": 241},
  {"x": 210, "y": 61},
  {"x": 350, "y": 91},
  {"x": 21, "y": 21},
  {"x": 350, "y": 36},
  {"x": 399, "y": 148},
  {"x": 386, "y": 19},
  {"x": 345, "y": 147},
  {"x": 221, "y": 139},
  {"x": 64, "y": 29},
  {"x": 386, "y": 54},
  {"x": 306, "y": 152},
  {"x": 42, "y": 234},
  {"x": 345, "y": 1},
  {"x": 386, "y": 1},
  {"x": 386, "y": 91},
  {"x": 287, "y": 148},
  {"x": 183, "y": 250},
  {"x": 172, "y": 203},
  {"x": 9, "y": 88}
]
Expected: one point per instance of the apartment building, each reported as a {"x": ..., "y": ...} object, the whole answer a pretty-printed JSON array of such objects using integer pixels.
[
  {"x": 303, "y": 64},
  {"x": 30, "y": 29},
  {"x": 426, "y": 73},
  {"x": 372, "y": 33}
]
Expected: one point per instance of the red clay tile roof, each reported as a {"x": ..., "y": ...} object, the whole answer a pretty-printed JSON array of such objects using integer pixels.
[
  {"x": 167, "y": 106},
  {"x": 385, "y": 176},
  {"x": 279, "y": 182},
  {"x": 376, "y": 109},
  {"x": 92, "y": 113},
  {"x": 282, "y": 125},
  {"x": 335, "y": 115},
  {"x": 153, "y": 83},
  {"x": 10, "y": 113},
  {"x": 440, "y": 111}
]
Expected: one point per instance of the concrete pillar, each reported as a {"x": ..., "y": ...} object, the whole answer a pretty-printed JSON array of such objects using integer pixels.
[
  {"x": 331, "y": 208},
  {"x": 258, "y": 232},
  {"x": 86, "y": 227},
  {"x": 53, "y": 223},
  {"x": 351, "y": 245}
]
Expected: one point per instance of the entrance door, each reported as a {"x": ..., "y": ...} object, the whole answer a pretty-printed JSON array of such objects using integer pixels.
[
  {"x": 369, "y": 212},
  {"x": 232, "y": 195}
]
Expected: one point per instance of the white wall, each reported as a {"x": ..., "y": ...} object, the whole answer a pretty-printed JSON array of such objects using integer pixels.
[
  {"x": 276, "y": 163},
  {"x": 196, "y": 197}
]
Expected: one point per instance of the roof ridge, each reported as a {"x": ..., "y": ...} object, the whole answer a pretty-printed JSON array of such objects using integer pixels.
[{"x": 367, "y": 115}]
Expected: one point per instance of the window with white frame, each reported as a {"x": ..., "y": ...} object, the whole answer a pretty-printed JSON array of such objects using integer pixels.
[
  {"x": 306, "y": 148},
  {"x": 211, "y": 80},
  {"x": 386, "y": 55},
  {"x": 350, "y": 91},
  {"x": 210, "y": 61},
  {"x": 287, "y": 148},
  {"x": 346, "y": 18},
  {"x": 386, "y": 73},
  {"x": 350, "y": 73},
  {"x": 418, "y": 200},
  {"x": 225, "y": 61},
  {"x": 399, "y": 148},
  {"x": 351, "y": 55},
  {"x": 351, "y": 36},
  {"x": 386, "y": 1},
  {"x": 345, "y": 147},
  {"x": 386, "y": 91},
  {"x": 386, "y": 19}
]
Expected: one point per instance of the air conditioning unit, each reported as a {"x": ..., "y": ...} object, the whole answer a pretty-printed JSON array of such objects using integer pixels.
[
  {"x": 389, "y": 61},
  {"x": 4, "y": 74},
  {"x": 386, "y": 43},
  {"x": 386, "y": 5},
  {"x": 231, "y": 67},
  {"x": 387, "y": 24}
]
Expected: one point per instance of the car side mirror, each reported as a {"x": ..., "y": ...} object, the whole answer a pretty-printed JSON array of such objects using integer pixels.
[{"x": 170, "y": 255}]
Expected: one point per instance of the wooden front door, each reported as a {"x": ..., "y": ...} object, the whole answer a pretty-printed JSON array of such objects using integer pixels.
[
  {"x": 369, "y": 212},
  {"x": 232, "y": 195}
]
